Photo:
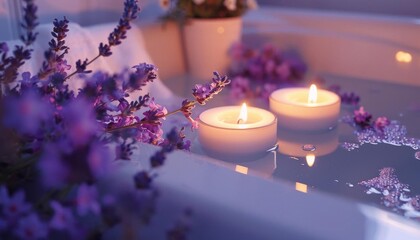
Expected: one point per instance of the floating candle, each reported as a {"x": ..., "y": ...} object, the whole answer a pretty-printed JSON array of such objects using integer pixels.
[
  {"x": 305, "y": 109},
  {"x": 231, "y": 134}
]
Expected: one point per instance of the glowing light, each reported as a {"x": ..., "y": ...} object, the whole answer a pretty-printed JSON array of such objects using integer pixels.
[
  {"x": 301, "y": 187},
  {"x": 403, "y": 57},
  {"x": 243, "y": 115},
  {"x": 220, "y": 30},
  {"x": 241, "y": 169},
  {"x": 310, "y": 159},
  {"x": 313, "y": 94}
]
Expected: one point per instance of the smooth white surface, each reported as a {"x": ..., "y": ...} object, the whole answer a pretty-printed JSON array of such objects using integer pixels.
[
  {"x": 83, "y": 43},
  {"x": 232, "y": 205}
]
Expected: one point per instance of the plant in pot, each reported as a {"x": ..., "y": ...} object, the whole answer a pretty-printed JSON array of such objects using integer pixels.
[{"x": 210, "y": 27}]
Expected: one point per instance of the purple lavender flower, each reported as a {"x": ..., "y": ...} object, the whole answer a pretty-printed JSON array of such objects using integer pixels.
[
  {"x": 297, "y": 67},
  {"x": 266, "y": 66},
  {"x": 150, "y": 130},
  {"x": 3, "y": 224},
  {"x": 4, "y": 48},
  {"x": 130, "y": 13},
  {"x": 3, "y": 194},
  {"x": 350, "y": 98},
  {"x": 182, "y": 226},
  {"x": 14, "y": 205},
  {"x": 142, "y": 180},
  {"x": 240, "y": 88},
  {"x": 81, "y": 66},
  {"x": 28, "y": 80},
  {"x": 9, "y": 65},
  {"x": 54, "y": 56},
  {"x": 237, "y": 51},
  {"x": 124, "y": 150},
  {"x": 26, "y": 113},
  {"x": 54, "y": 172},
  {"x": 31, "y": 227},
  {"x": 255, "y": 69},
  {"x": 63, "y": 218},
  {"x": 87, "y": 200},
  {"x": 80, "y": 122},
  {"x": 205, "y": 92},
  {"x": 158, "y": 159},
  {"x": 267, "y": 89},
  {"x": 29, "y": 22},
  {"x": 109, "y": 211},
  {"x": 186, "y": 109},
  {"x": 362, "y": 118},
  {"x": 283, "y": 72},
  {"x": 155, "y": 114},
  {"x": 150, "y": 133},
  {"x": 145, "y": 73},
  {"x": 174, "y": 140},
  {"x": 99, "y": 159},
  {"x": 380, "y": 123}
]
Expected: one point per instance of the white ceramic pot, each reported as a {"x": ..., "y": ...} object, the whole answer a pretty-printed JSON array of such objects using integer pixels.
[{"x": 207, "y": 42}]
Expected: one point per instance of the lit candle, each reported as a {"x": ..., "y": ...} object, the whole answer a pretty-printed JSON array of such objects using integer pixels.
[
  {"x": 237, "y": 133},
  {"x": 305, "y": 109}
]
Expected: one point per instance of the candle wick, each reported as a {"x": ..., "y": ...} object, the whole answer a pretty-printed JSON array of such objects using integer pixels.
[{"x": 239, "y": 121}]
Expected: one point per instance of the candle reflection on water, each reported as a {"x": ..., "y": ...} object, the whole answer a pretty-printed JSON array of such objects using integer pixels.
[
  {"x": 310, "y": 159},
  {"x": 301, "y": 187},
  {"x": 293, "y": 144}
]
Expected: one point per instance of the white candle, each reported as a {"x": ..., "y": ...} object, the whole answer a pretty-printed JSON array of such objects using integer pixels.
[
  {"x": 225, "y": 133},
  {"x": 297, "y": 109}
]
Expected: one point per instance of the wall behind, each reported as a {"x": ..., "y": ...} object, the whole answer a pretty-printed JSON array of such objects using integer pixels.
[
  {"x": 409, "y": 8},
  {"x": 84, "y": 12}
]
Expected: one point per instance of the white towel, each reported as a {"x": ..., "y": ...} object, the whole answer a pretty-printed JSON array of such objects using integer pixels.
[{"x": 84, "y": 42}]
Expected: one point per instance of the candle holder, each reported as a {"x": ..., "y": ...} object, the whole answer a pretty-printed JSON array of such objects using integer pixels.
[{"x": 223, "y": 134}]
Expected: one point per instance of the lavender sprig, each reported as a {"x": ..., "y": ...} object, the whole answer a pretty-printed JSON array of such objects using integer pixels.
[
  {"x": 9, "y": 65},
  {"x": 201, "y": 92},
  {"x": 54, "y": 56},
  {"x": 115, "y": 38},
  {"x": 29, "y": 22},
  {"x": 174, "y": 140},
  {"x": 349, "y": 98}
]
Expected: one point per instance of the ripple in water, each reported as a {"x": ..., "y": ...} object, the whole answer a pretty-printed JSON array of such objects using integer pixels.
[{"x": 308, "y": 147}]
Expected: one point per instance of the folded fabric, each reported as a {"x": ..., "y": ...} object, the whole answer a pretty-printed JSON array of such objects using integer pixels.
[{"x": 84, "y": 42}]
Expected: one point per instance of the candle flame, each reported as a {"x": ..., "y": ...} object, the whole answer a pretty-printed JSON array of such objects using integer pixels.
[
  {"x": 313, "y": 94},
  {"x": 243, "y": 115},
  {"x": 310, "y": 159}
]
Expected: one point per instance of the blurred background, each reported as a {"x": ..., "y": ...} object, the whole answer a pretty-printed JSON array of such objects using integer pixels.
[{"x": 88, "y": 12}]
